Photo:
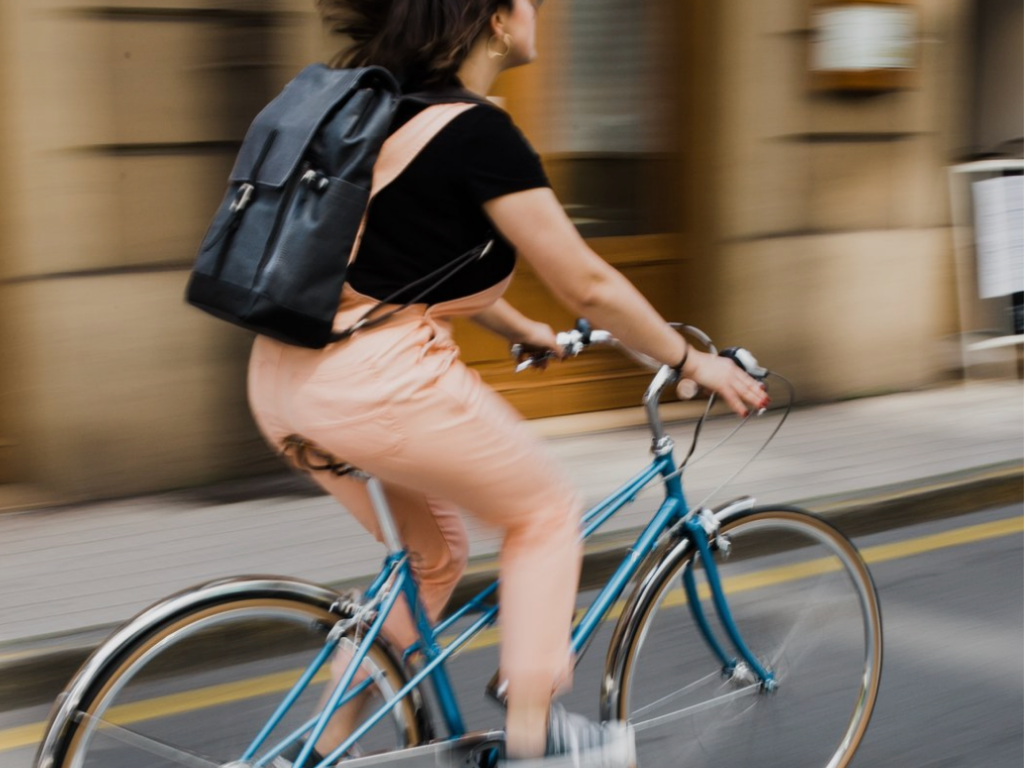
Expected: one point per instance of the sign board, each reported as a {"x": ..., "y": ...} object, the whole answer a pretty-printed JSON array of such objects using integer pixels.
[
  {"x": 863, "y": 46},
  {"x": 999, "y": 235},
  {"x": 864, "y": 37}
]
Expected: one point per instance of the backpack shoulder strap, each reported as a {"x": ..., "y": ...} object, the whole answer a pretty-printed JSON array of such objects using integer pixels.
[{"x": 403, "y": 146}]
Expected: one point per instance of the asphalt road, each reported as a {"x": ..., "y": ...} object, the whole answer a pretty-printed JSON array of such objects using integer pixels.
[{"x": 952, "y": 692}]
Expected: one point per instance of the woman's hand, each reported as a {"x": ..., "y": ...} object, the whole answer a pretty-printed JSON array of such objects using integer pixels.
[
  {"x": 537, "y": 340},
  {"x": 740, "y": 391}
]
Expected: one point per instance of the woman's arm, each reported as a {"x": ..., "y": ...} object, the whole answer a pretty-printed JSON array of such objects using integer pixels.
[
  {"x": 535, "y": 223},
  {"x": 507, "y": 321}
]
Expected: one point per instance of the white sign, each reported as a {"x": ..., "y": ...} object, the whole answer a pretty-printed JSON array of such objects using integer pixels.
[
  {"x": 999, "y": 234},
  {"x": 863, "y": 37}
]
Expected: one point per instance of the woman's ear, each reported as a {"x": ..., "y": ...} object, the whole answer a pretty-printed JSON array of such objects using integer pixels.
[{"x": 498, "y": 20}]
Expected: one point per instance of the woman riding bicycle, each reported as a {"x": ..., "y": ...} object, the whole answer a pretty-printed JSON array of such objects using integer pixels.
[{"x": 396, "y": 401}]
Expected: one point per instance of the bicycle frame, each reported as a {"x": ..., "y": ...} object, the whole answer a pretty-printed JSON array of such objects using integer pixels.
[{"x": 396, "y": 578}]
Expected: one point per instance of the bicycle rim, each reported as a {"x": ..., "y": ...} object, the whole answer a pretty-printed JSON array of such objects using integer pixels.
[
  {"x": 804, "y": 603},
  {"x": 204, "y": 684}
]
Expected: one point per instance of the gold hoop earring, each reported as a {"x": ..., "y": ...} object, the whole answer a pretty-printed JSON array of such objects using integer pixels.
[{"x": 506, "y": 39}]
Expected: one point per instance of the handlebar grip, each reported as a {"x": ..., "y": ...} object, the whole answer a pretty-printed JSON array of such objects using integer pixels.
[
  {"x": 746, "y": 361},
  {"x": 687, "y": 389}
]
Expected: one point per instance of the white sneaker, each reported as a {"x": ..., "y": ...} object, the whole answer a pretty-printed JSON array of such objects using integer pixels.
[
  {"x": 287, "y": 758},
  {"x": 576, "y": 742}
]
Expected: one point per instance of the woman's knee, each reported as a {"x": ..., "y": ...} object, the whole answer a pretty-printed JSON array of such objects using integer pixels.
[
  {"x": 442, "y": 567},
  {"x": 557, "y": 519}
]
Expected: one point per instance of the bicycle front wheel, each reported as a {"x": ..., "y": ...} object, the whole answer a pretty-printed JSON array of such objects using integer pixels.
[
  {"x": 196, "y": 686},
  {"x": 804, "y": 603}
]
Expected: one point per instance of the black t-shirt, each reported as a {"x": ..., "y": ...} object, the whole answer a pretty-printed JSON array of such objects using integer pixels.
[{"x": 432, "y": 213}]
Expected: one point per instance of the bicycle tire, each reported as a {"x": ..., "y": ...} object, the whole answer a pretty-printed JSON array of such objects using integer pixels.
[
  {"x": 203, "y": 671},
  {"x": 805, "y": 604}
]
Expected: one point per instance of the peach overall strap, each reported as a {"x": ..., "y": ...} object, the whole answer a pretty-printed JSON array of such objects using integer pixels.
[{"x": 403, "y": 146}]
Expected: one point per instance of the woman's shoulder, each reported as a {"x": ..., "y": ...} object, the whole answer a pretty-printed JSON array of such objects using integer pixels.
[
  {"x": 487, "y": 125},
  {"x": 483, "y": 114},
  {"x": 482, "y": 153}
]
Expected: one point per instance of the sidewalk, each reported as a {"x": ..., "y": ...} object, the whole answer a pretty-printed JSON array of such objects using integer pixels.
[{"x": 67, "y": 574}]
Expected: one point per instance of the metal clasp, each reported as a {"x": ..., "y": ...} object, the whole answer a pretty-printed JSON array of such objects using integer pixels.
[
  {"x": 315, "y": 180},
  {"x": 245, "y": 193}
]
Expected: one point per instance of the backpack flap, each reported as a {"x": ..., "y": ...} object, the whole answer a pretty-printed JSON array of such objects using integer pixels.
[
  {"x": 275, "y": 257},
  {"x": 283, "y": 131}
]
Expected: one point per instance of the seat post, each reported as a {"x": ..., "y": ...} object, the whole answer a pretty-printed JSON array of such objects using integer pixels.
[{"x": 388, "y": 529}]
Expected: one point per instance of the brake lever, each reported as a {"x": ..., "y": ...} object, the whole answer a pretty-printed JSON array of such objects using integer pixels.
[
  {"x": 745, "y": 360},
  {"x": 534, "y": 361},
  {"x": 572, "y": 343}
]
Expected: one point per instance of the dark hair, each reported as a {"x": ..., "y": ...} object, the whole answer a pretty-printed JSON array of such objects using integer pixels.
[{"x": 422, "y": 42}]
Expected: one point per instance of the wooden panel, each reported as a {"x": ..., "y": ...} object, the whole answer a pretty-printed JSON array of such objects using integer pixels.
[
  {"x": 865, "y": 80},
  {"x": 585, "y": 386},
  {"x": 646, "y": 249},
  {"x": 651, "y": 261}
]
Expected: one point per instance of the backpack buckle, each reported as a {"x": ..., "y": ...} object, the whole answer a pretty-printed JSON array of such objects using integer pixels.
[
  {"x": 245, "y": 193},
  {"x": 315, "y": 180}
]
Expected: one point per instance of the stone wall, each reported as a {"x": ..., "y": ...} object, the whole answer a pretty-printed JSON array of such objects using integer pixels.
[
  {"x": 122, "y": 124},
  {"x": 831, "y": 240}
]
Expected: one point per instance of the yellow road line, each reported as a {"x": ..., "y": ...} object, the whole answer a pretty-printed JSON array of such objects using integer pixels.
[
  {"x": 226, "y": 693},
  {"x": 20, "y": 737},
  {"x": 968, "y": 535},
  {"x": 172, "y": 704}
]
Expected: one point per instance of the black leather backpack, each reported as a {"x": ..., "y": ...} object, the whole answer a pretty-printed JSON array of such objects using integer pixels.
[{"x": 275, "y": 258}]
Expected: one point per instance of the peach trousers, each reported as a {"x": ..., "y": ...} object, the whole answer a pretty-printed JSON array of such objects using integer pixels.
[{"x": 397, "y": 402}]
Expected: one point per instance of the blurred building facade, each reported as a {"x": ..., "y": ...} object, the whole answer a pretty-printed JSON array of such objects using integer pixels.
[{"x": 684, "y": 137}]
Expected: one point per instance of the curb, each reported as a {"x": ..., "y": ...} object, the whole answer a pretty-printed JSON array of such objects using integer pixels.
[{"x": 36, "y": 675}]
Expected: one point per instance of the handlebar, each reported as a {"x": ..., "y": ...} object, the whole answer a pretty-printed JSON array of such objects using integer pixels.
[
  {"x": 575, "y": 341},
  {"x": 583, "y": 337}
]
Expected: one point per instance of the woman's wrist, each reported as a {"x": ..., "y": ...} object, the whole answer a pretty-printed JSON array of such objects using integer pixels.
[
  {"x": 678, "y": 367},
  {"x": 526, "y": 332}
]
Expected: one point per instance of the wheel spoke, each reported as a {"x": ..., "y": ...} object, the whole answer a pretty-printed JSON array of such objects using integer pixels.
[
  {"x": 718, "y": 701},
  {"x": 804, "y": 604},
  {"x": 206, "y": 679},
  {"x": 148, "y": 744},
  {"x": 674, "y": 695},
  {"x": 798, "y": 629}
]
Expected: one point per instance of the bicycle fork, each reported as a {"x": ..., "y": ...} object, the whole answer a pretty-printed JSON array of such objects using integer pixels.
[{"x": 744, "y": 668}]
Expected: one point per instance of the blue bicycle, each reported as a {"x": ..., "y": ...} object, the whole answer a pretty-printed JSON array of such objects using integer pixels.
[{"x": 750, "y": 636}]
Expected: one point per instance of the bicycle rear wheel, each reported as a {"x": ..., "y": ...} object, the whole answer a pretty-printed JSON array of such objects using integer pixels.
[
  {"x": 804, "y": 603},
  {"x": 193, "y": 687}
]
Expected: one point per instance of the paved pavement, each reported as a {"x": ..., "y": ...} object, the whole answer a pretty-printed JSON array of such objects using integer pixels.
[{"x": 67, "y": 574}]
